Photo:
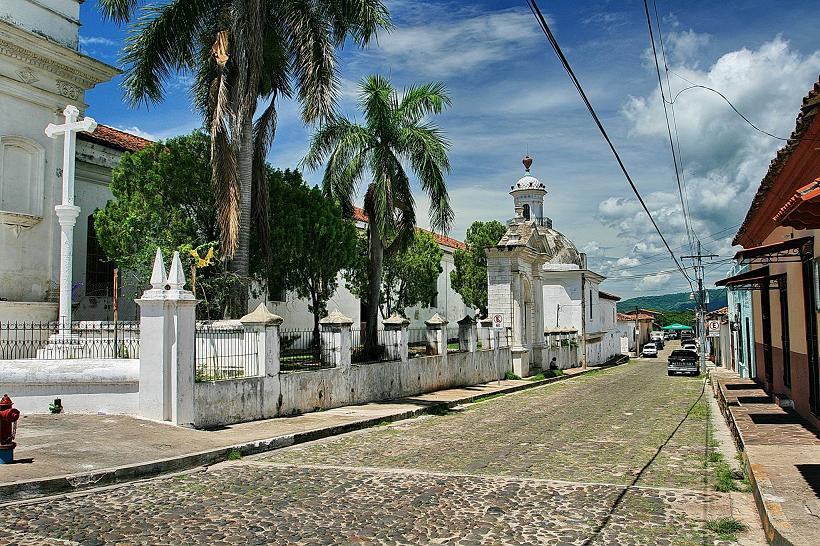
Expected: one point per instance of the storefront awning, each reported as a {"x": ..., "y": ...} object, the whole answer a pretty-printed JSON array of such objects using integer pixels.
[
  {"x": 791, "y": 250},
  {"x": 757, "y": 279},
  {"x": 802, "y": 211},
  {"x": 676, "y": 326}
]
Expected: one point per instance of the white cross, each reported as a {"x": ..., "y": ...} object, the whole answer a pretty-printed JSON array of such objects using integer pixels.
[{"x": 67, "y": 212}]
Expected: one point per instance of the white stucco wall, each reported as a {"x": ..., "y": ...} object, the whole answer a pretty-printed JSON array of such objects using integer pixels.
[
  {"x": 56, "y": 20},
  {"x": 562, "y": 300}
]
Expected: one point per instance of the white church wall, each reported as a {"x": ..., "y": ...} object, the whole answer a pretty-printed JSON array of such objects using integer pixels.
[
  {"x": 562, "y": 301},
  {"x": 59, "y": 20},
  {"x": 499, "y": 294}
]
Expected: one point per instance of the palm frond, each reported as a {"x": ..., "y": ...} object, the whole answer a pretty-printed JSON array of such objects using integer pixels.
[
  {"x": 119, "y": 11},
  {"x": 426, "y": 149},
  {"x": 360, "y": 20},
  {"x": 423, "y": 100},
  {"x": 377, "y": 101},
  {"x": 264, "y": 131},
  {"x": 224, "y": 165}
]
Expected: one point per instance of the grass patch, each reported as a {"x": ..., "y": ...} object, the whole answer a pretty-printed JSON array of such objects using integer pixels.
[
  {"x": 715, "y": 457},
  {"x": 439, "y": 410},
  {"x": 486, "y": 397},
  {"x": 726, "y": 528},
  {"x": 700, "y": 411},
  {"x": 511, "y": 375},
  {"x": 382, "y": 424},
  {"x": 234, "y": 455}
]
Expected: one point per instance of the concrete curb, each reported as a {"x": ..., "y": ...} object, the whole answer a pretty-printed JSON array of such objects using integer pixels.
[
  {"x": 32, "y": 489},
  {"x": 768, "y": 508}
]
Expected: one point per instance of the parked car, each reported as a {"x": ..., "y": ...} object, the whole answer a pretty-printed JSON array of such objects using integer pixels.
[
  {"x": 682, "y": 361},
  {"x": 690, "y": 346},
  {"x": 686, "y": 335},
  {"x": 649, "y": 350},
  {"x": 657, "y": 338}
]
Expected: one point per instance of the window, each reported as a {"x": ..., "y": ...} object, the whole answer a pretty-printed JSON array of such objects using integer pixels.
[
  {"x": 590, "y": 304},
  {"x": 22, "y": 179},
  {"x": 527, "y": 212}
]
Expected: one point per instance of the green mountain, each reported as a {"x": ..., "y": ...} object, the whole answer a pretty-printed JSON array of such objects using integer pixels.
[{"x": 673, "y": 302}]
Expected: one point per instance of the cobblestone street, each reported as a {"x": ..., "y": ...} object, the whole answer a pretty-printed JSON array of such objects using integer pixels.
[{"x": 612, "y": 457}]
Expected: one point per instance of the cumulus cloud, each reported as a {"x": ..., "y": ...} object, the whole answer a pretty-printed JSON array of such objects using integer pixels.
[
  {"x": 96, "y": 40},
  {"x": 724, "y": 159},
  {"x": 136, "y": 131},
  {"x": 653, "y": 282}
]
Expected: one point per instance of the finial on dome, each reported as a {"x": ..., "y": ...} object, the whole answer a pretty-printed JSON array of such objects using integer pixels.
[{"x": 527, "y": 161}]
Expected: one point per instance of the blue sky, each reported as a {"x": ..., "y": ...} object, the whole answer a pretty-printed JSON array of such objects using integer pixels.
[{"x": 510, "y": 94}]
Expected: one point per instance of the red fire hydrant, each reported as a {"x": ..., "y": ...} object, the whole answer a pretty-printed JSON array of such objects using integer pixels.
[{"x": 8, "y": 429}]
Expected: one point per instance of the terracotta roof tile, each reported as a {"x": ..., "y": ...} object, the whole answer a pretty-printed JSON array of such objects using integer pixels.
[
  {"x": 360, "y": 216},
  {"x": 808, "y": 193},
  {"x": 631, "y": 316},
  {"x": 115, "y": 138},
  {"x": 807, "y": 114},
  {"x": 608, "y": 296}
]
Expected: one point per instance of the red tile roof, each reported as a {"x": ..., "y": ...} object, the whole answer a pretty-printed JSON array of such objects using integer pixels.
[
  {"x": 108, "y": 136},
  {"x": 360, "y": 216},
  {"x": 797, "y": 212},
  {"x": 631, "y": 316},
  {"x": 808, "y": 111}
]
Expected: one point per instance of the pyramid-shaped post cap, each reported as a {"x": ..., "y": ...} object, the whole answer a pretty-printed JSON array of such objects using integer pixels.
[
  {"x": 466, "y": 321},
  {"x": 261, "y": 315},
  {"x": 486, "y": 322},
  {"x": 395, "y": 322},
  {"x": 176, "y": 275},
  {"x": 436, "y": 321},
  {"x": 158, "y": 276},
  {"x": 336, "y": 318}
]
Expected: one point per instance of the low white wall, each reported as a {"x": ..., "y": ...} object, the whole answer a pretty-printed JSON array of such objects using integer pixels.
[
  {"x": 27, "y": 311},
  {"x": 225, "y": 402},
  {"x": 565, "y": 357},
  {"x": 84, "y": 385}
]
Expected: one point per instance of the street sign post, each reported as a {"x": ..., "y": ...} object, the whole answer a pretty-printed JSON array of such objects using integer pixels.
[{"x": 714, "y": 328}]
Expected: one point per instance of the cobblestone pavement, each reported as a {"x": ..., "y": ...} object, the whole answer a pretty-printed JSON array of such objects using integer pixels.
[{"x": 577, "y": 462}]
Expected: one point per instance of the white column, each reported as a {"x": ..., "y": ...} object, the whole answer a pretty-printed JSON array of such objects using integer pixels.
[
  {"x": 67, "y": 212},
  {"x": 336, "y": 342},
  {"x": 518, "y": 311}
]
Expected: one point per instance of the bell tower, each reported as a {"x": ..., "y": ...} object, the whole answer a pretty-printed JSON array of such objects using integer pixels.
[{"x": 528, "y": 194}]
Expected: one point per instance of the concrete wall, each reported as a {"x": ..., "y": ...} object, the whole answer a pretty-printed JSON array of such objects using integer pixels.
[
  {"x": 224, "y": 402},
  {"x": 83, "y": 385},
  {"x": 58, "y": 20}
]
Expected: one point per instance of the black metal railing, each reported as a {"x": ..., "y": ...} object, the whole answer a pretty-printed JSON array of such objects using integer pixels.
[
  {"x": 80, "y": 339},
  {"x": 386, "y": 350},
  {"x": 303, "y": 350},
  {"x": 224, "y": 352},
  {"x": 542, "y": 221}
]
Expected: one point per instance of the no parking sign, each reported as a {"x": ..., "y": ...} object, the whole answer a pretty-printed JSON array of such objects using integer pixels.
[{"x": 498, "y": 321}]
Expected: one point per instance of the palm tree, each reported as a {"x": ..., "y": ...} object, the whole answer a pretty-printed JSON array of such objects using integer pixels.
[
  {"x": 243, "y": 53},
  {"x": 395, "y": 134}
]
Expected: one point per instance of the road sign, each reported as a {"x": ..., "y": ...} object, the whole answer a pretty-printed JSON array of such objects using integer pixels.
[
  {"x": 713, "y": 327},
  {"x": 498, "y": 320}
]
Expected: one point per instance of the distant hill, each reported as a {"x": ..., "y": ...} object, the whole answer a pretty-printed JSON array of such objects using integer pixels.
[{"x": 673, "y": 302}]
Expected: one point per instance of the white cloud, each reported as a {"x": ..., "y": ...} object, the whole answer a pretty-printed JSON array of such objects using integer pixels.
[
  {"x": 626, "y": 261},
  {"x": 453, "y": 41},
  {"x": 97, "y": 40},
  {"x": 654, "y": 282},
  {"x": 136, "y": 131}
]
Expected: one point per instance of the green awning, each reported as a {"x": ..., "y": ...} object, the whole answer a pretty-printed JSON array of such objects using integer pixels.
[{"x": 676, "y": 326}]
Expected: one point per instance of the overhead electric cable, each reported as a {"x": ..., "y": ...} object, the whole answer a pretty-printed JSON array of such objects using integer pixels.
[
  {"x": 554, "y": 43},
  {"x": 668, "y": 125}
]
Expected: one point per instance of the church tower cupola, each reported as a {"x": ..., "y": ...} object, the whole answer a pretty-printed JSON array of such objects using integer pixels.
[{"x": 528, "y": 194}]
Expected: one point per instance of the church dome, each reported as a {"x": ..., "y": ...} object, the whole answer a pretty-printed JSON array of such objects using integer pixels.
[
  {"x": 562, "y": 251},
  {"x": 528, "y": 181}
]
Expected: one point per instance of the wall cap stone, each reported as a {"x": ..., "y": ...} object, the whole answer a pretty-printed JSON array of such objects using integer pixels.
[
  {"x": 261, "y": 315},
  {"x": 395, "y": 321},
  {"x": 436, "y": 320},
  {"x": 336, "y": 318},
  {"x": 467, "y": 320}
]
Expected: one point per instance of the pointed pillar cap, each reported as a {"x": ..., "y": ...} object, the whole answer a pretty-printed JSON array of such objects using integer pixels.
[
  {"x": 436, "y": 320},
  {"x": 336, "y": 318},
  {"x": 158, "y": 276},
  {"x": 261, "y": 315},
  {"x": 395, "y": 322},
  {"x": 466, "y": 320},
  {"x": 176, "y": 276}
]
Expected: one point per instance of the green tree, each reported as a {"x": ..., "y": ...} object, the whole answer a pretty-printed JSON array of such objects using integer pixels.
[
  {"x": 313, "y": 242},
  {"x": 395, "y": 133},
  {"x": 469, "y": 278},
  {"x": 410, "y": 275},
  {"x": 243, "y": 53},
  {"x": 163, "y": 198}
]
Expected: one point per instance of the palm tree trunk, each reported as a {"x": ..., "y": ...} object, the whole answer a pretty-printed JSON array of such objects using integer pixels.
[
  {"x": 240, "y": 264},
  {"x": 374, "y": 277}
]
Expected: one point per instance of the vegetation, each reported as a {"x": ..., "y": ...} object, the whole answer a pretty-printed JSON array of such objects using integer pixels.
[
  {"x": 679, "y": 301},
  {"x": 410, "y": 275},
  {"x": 234, "y": 455},
  {"x": 553, "y": 372},
  {"x": 313, "y": 242},
  {"x": 726, "y": 528},
  {"x": 242, "y": 53},
  {"x": 511, "y": 375},
  {"x": 394, "y": 134},
  {"x": 469, "y": 278}
]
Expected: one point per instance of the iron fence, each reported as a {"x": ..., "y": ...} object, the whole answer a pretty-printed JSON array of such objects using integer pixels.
[
  {"x": 387, "y": 348},
  {"x": 81, "y": 339},
  {"x": 304, "y": 350},
  {"x": 223, "y": 352}
]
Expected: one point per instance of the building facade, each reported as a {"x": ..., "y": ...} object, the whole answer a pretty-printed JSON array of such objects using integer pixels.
[
  {"x": 780, "y": 240},
  {"x": 539, "y": 283}
]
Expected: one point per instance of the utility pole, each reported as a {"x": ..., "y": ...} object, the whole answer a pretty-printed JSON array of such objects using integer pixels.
[{"x": 701, "y": 301}]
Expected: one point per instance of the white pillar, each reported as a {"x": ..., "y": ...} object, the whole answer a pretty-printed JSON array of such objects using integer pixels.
[
  {"x": 467, "y": 335},
  {"x": 396, "y": 342},
  {"x": 67, "y": 212},
  {"x": 167, "y": 321},
  {"x": 518, "y": 311},
  {"x": 336, "y": 340},
  {"x": 437, "y": 336}
]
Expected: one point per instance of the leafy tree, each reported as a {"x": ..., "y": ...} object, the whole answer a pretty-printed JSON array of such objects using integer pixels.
[
  {"x": 163, "y": 198},
  {"x": 410, "y": 275},
  {"x": 243, "y": 53},
  {"x": 395, "y": 133},
  {"x": 313, "y": 242},
  {"x": 469, "y": 278}
]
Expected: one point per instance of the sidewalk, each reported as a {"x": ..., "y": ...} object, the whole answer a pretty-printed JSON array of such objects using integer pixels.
[
  {"x": 60, "y": 453},
  {"x": 782, "y": 454}
]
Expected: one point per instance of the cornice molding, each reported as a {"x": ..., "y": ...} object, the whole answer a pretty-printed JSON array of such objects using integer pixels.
[{"x": 83, "y": 72}]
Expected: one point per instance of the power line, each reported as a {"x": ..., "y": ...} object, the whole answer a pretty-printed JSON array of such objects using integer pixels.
[
  {"x": 668, "y": 125},
  {"x": 738, "y": 112},
  {"x": 554, "y": 43}
]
